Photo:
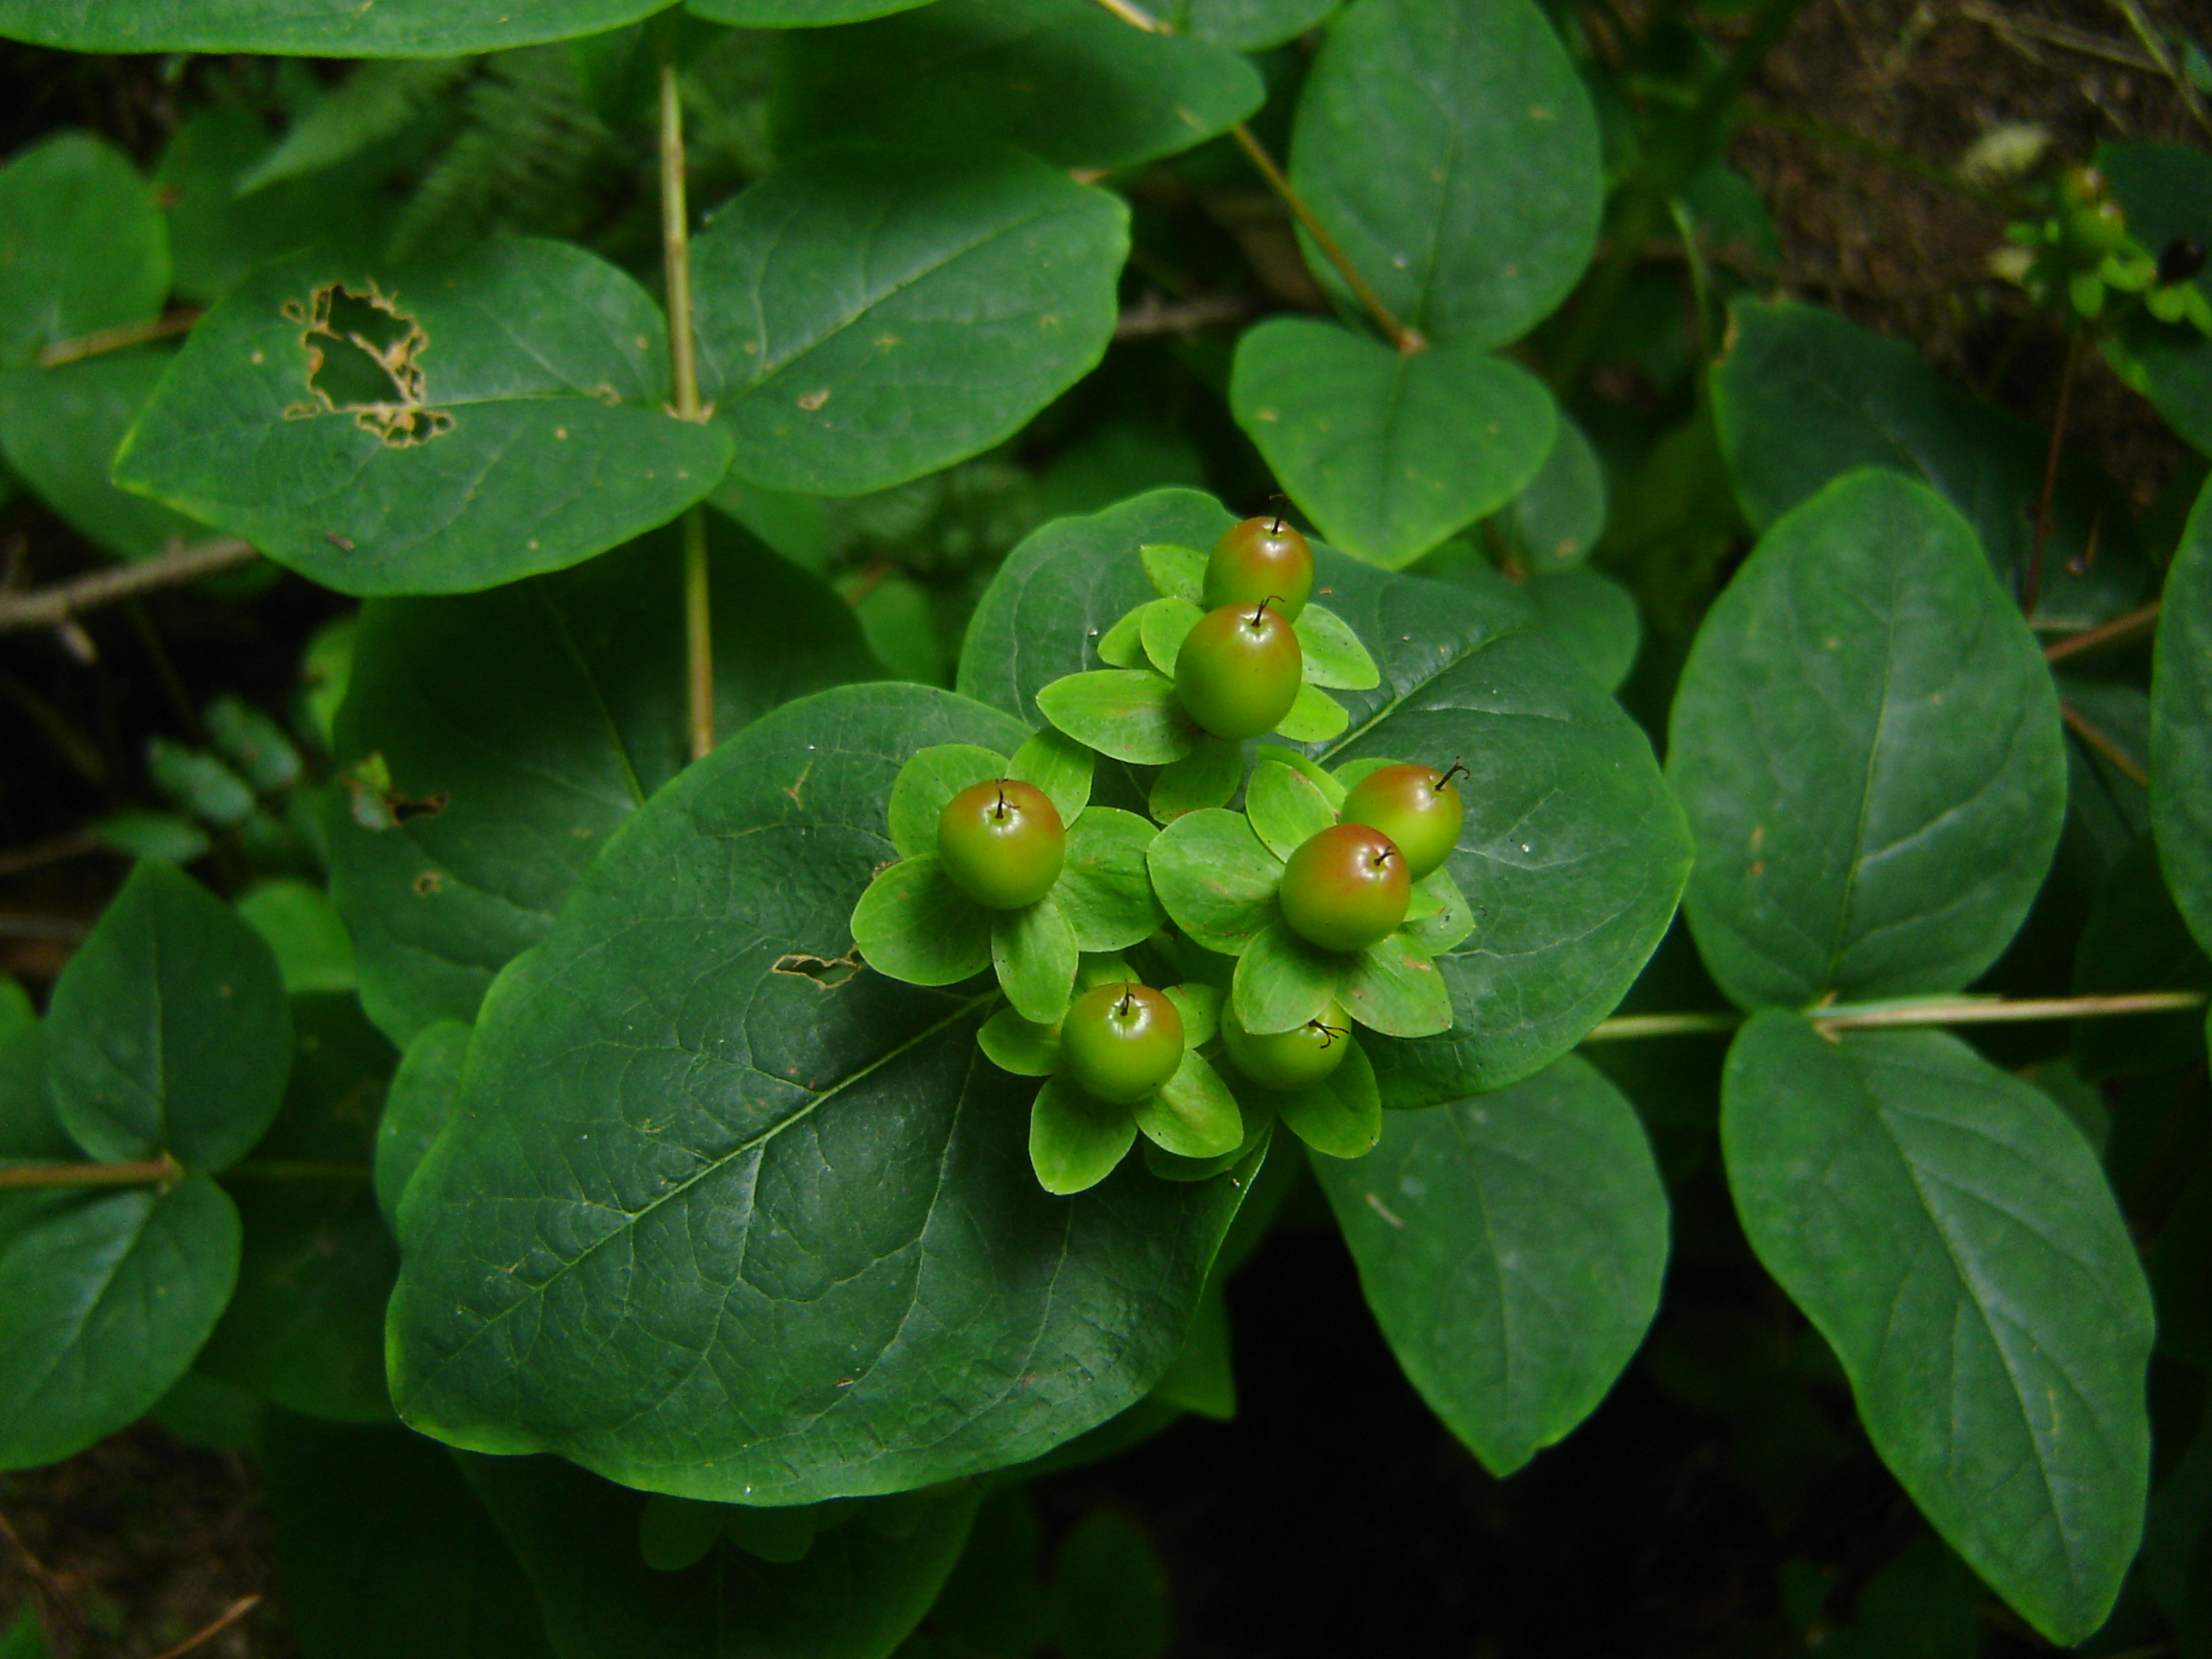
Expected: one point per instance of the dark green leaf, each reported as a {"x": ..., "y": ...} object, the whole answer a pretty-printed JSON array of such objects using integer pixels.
[
  {"x": 793, "y": 13},
  {"x": 385, "y": 1551},
  {"x": 1594, "y": 619},
  {"x": 496, "y": 435},
  {"x": 1511, "y": 1247},
  {"x": 1573, "y": 853},
  {"x": 649, "y": 1102},
  {"x": 1341, "y": 1115},
  {"x": 59, "y": 427},
  {"x": 522, "y": 727},
  {"x": 1389, "y": 454},
  {"x": 317, "y": 28},
  {"x": 2163, "y": 188},
  {"x": 1949, "y": 1232},
  {"x": 168, "y": 836},
  {"x": 304, "y": 931},
  {"x": 1109, "y": 1592},
  {"x": 1558, "y": 516},
  {"x": 1105, "y": 888},
  {"x": 1452, "y": 150},
  {"x": 1126, "y": 714},
  {"x": 304, "y": 1328},
  {"x": 854, "y": 1595},
  {"x": 254, "y": 743},
  {"x": 2136, "y": 941},
  {"x": 103, "y": 1300},
  {"x": 868, "y": 314},
  {"x": 1206, "y": 776},
  {"x": 1062, "y": 78},
  {"x": 1201, "y": 1379},
  {"x": 1804, "y": 397},
  {"x": 1286, "y": 808},
  {"x": 1215, "y": 878},
  {"x": 415, "y": 1107},
  {"x": 199, "y": 783},
  {"x": 82, "y": 243},
  {"x": 1248, "y": 25},
  {"x": 376, "y": 102},
  {"x": 1867, "y": 742},
  {"x": 1034, "y": 950},
  {"x": 2181, "y": 725},
  {"x": 169, "y": 1028}
]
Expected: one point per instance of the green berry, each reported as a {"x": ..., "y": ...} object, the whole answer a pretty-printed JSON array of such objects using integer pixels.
[
  {"x": 1262, "y": 557},
  {"x": 1003, "y": 843},
  {"x": 1416, "y": 806},
  {"x": 1121, "y": 1042},
  {"x": 1238, "y": 670},
  {"x": 1289, "y": 1060},
  {"x": 1346, "y": 887}
]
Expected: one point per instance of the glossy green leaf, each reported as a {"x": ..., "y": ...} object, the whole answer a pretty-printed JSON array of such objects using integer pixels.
[
  {"x": 1342, "y": 1115},
  {"x": 650, "y": 1099},
  {"x": 310, "y": 28},
  {"x": 1573, "y": 853},
  {"x": 384, "y": 1550},
  {"x": 169, "y": 1028},
  {"x": 1557, "y": 519},
  {"x": 1062, "y": 78},
  {"x": 1286, "y": 808},
  {"x": 493, "y": 435},
  {"x": 1059, "y": 766},
  {"x": 1193, "y": 1114},
  {"x": 1511, "y": 1247},
  {"x": 303, "y": 931},
  {"x": 82, "y": 243},
  {"x": 1316, "y": 717},
  {"x": 1126, "y": 714},
  {"x": 793, "y": 13},
  {"x": 1019, "y": 1046},
  {"x": 867, "y": 314},
  {"x": 1804, "y": 397},
  {"x": 58, "y": 429},
  {"x": 2181, "y": 725},
  {"x": 1282, "y": 981},
  {"x": 1075, "y": 1141},
  {"x": 416, "y": 1106},
  {"x": 1162, "y": 627},
  {"x": 2136, "y": 940},
  {"x": 1175, "y": 571},
  {"x": 1206, "y": 776},
  {"x": 522, "y": 727},
  {"x": 1331, "y": 653},
  {"x": 915, "y": 925},
  {"x": 1389, "y": 454},
  {"x": 1201, "y": 1379},
  {"x": 854, "y": 1595},
  {"x": 1248, "y": 25},
  {"x": 104, "y": 1301},
  {"x": 1034, "y": 952},
  {"x": 926, "y": 786},
  {"x": 1200, "y": 1007},
  {"x": 304, "y": 1328},
  {"x": 1393, "y": 987},
  {"x": 1215, "y": 878},
  {"x": 1438, "y": 915},
  {"x": 1105, "y": 889},
  {"x": 1949, "y": 1232},
  {"x": 1593, "y": 618},
  {"x": 1122, "y": 645},
  {"x": 1452, "y": 150},
  {"x": 1866, "y": 743}
]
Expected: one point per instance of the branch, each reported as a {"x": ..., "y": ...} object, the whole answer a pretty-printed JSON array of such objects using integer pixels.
[
  {"x": 120, "y": 339},
  {"x": 223, "y": 1622},
  {"x": 52, "y": 606},
  {"x": 2078, "y": 724},
  {"x": 2122, "y": 627},
  {"x": 145, "y": 1172},
  {"x": 684, "y": 367},
  {"x": 1929, "y": 1011},
  {"x": 1152, "y": 315}
]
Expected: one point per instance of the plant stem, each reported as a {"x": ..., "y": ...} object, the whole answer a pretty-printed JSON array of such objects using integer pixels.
[
  {"x": 50, "y": 605},
  {"x": 2078, "y": 724},
  {"x": 684, "y": 367},
  {"x": 1407, "y": 341},
  {"x": 2122, "y": 627},
  {"x": 1404, "y": 339},
  {"x": 1934, "y": 1011},
  {"x": 120, "y": 339},
  {"x": 2033, "y": 589},
  {"x": 145, "y": 1172}
]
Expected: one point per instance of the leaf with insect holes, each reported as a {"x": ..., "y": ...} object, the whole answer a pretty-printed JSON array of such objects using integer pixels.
[
  {"x": 437, "y": 429},
  {"x": 1126, "y": 714}
]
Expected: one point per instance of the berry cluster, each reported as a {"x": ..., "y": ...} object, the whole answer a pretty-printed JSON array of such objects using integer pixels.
[{"x": 1194, "y": 979}]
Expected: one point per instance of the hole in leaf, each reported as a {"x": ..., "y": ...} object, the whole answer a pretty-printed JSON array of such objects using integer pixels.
[
  {"x": 829, "y": 973},
  {"x": 365, "y": 359}
]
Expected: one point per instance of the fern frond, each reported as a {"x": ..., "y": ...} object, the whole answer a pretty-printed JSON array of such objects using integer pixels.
[{"x": 376, "y": 102}]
